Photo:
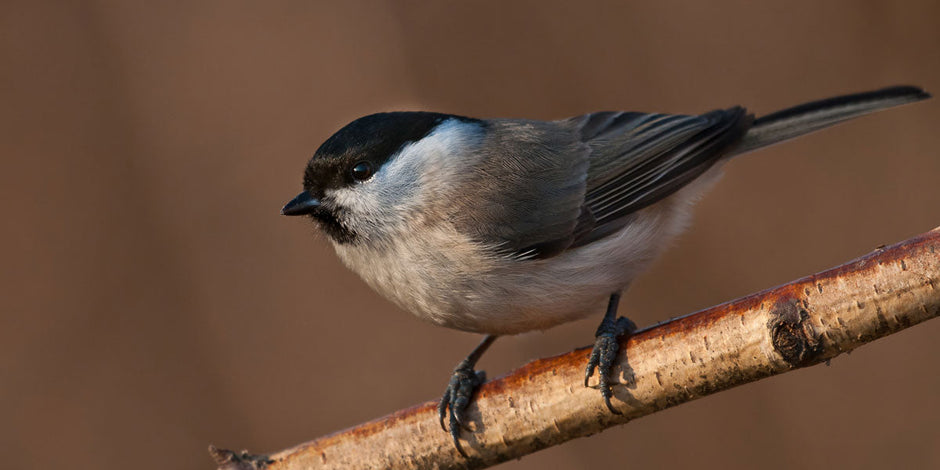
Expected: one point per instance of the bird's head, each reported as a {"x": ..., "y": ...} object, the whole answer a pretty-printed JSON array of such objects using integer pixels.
[{"x": 375, "y": 175}]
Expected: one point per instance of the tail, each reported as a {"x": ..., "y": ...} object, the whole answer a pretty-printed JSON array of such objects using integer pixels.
[{"x": 810, "y": 117}]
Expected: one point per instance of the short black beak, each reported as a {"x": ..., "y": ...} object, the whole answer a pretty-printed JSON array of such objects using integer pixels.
[{"x": 303, "y": 204}]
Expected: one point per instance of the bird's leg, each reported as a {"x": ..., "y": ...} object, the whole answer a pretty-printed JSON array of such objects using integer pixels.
[
  {"x": 606, "y": 345},
  {"x": 460, "y": 390}
]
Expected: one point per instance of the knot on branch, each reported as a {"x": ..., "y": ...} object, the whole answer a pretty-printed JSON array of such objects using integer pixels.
[{"x": 792, "y": 334}]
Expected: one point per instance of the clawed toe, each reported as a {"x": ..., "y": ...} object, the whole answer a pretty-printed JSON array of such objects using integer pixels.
[
  {"x": 602, "y": 359},
  {"x": 463, "y": 383},
  {"x": 606, "y": 347},
  {"x": 456, "y": 399}
]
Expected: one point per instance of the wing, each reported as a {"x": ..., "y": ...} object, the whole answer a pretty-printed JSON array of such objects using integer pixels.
[
  {"x": 550, "y": 186},
  {"x": 638, "y": 159},
  {"x": 525, "y": 193}
]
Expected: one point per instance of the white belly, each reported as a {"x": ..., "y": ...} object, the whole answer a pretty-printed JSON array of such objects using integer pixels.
[{"x": 458, "y": 286}]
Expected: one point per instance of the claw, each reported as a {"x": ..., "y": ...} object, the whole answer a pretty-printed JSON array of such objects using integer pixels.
[
  {"x": 455, "y": 434},
  {"x": 607, "y": 392},
  {"x": 463, "y": 383},
  {"x": 606, "y": 347},
  {"x": 442, "y": 407},
  {"x": 591, "y": 366},
  {"x": 456, "y": 399},
  {"x": 602, "y": 359}
]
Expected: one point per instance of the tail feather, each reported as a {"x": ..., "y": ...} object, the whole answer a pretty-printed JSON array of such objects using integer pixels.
[{"x": 809, "y": 117}]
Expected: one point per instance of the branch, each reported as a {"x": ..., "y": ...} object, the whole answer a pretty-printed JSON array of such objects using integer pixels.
[{"x": 544, "y": 403}]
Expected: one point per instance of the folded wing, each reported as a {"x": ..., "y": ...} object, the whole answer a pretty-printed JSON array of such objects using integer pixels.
[
  {"x": 551, "y": 186},
  {"x": 638, "y": 159}
]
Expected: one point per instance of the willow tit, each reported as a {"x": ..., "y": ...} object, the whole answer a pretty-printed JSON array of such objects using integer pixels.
[{"x": 501, "y": 226}]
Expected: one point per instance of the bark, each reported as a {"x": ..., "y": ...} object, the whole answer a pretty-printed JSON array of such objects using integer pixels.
[{"x": 544, "y": 403}]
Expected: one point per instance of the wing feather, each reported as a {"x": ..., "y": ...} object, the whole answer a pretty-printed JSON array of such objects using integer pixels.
[
  {"x": 550, "y": 186},
  {"x": 638, "y": 159}
]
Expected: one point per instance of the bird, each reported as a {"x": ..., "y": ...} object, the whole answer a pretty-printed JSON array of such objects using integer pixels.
[{"x": 504, "y": 226}]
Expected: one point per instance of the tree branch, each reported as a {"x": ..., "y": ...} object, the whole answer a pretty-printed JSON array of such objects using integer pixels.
[{"x": 543, "y": 403}]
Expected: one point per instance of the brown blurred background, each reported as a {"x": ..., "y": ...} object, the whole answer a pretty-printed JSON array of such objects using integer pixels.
[{"x": 155, "y": 302}]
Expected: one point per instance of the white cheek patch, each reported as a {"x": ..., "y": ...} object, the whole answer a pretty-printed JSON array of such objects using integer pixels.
[{"x": 419, "y": 171}]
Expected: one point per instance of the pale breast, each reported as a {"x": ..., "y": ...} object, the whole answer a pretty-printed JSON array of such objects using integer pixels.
[{"x": 455, "y": 283}]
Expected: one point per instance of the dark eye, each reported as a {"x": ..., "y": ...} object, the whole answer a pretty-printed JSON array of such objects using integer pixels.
[{"x": 362, "y": 171}]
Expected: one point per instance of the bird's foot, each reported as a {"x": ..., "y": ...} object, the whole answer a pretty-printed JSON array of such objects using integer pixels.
[
  {"x": 606, "y": 346},
  {"x": 463, "y": 383}
]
